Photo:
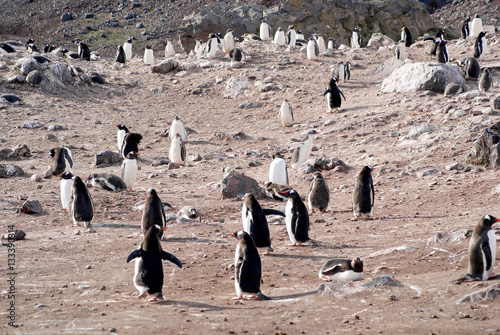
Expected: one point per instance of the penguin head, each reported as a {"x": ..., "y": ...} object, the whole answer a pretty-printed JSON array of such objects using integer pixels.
[
  {"x": 151, "y": 192},
  {"x": 366, "y": 170},
  {"x": 77, "y": 181},
  {"x": 120, "y": 48},
  {"x": 122, "y": 127},
  {"x": 130, "y": 40},
  {"x": 357, "y": 264},
  {"x": 489, "y": 220},
  {"x": 52, "y": 152},
  {"x": 279, "y": 29},
  {"x": 229, "y": 31},
  {"x": 30, "y": 41},
  {"x": 148, "y": 46},
  {"x": 66, "y": 175},
  {"x": 177, "y": 118},
  {"x": 91, "y": 177},
  {"x": 318, "y": 175},
  {"x": 132, "y": 155}
]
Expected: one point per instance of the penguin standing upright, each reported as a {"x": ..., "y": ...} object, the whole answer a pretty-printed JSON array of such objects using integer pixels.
[
  {"x": 149, "y": 57},
  {"x": 81, "y": 205},
  {"x": 129, "y": 169},
  {"x": 321, "y": 43},
  {"x": 442, "y": 52},
  {"x": 212, "y": 46},
  {"x": 485, "y": 81},
  {"x": 438, "y": 37},
  {"x": 291, "y": 36},
  {"x": 247, "y": 268},
  {"x": 83, "y": 51},
  {"x": 107, "y": 182},
  {"x": 480, "y": 45},
  {"x": 120, "y": 136},
  {"x": 236, "y": 55},
  {"x": 154, "y": 212},
  {"x": 332, "y": 44},
  {"x": 333, "y": 94},
  {"x": 364, "y": 193},
  {"x": 285, "y": 114},
  {"x": 342, "y": 269},
  {"x": 476, "y": 26},
  {"x": 127, "y": 47},
  {"x": 130, "y": 143},
  {"x": 472, "y": 68},
  {"x": 120, "y": 55},
  {"x": 278, "y": 173},
  {"x": 303, "y": 150},
  {"x": 264, "y": 30},
  {"x": 339, "y": 72},
  {"x": 177, "y": 153},
  {"x": 62, "y": 160},
  {"x": 228, "y": 43},
  {"x": 319, "y": 193},
  {"x": 406, "y": 36},
  {"x": 296, "y": 218},
  {"x": 148, "y": 277},
  {"x": 400, "y": 50},
  {"x": 66, "y": 187},
  {"x": 300, "y": 39},
  {"x": 177, "y": 127},
  {"x": 255, "y": 222},
  {"x": 279, "y": 37},
  {"x": 465, "y": 31},
  {"x": 356, "y": 38},
  {"x": 169, "y": 50},
  {"x": 312, "y": 50}
]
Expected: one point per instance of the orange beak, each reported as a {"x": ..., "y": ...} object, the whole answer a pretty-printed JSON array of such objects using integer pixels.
[
  {"x": 164, "y": 228},
  {"x": 231, "y": 234}
]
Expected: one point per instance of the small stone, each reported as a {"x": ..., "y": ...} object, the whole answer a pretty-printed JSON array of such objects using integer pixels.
[
  {"x": 56, "y": 127},
  {"x": 30, "y": 207},
  {"x": 455, "y": 166},
  {"x": 88, "y": 267},
  {"x": 66, "y": 17},
  {"x": 31, "y": 125},
  {"x": 40, "y": 306},
  {"x": 49, "y": 137},
  {"x": 254, "y": 104},
  {"x": 495, "y": 103},
  {"x": 112, "y": 330},
  {"x": 197, "y": 91},
  {"x": 89, "y": 16},
  {"x": 254, "y": 163},
  {"x": 83, "y": 287},
  {"x": 47, "y": 173},
  {"x": 36, "y": 178}
]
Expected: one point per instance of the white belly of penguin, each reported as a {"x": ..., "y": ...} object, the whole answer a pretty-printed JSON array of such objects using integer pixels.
[
  {"x": 175, "y": 152},
  {"x": 286, "y": 116},
  {"x": 177, "y": 128},
  {"x": 493, "y": 247},
  {"x": 247, "y": 219},
  {"x": 311, "y": 51},
  {"x": 237, "y": 287},
  {"x": 288, "y": 220},
  {"x": 120, "y": 136},
  {"x": 348, "y": 275},
  {"x": 304, "y": 153},
  {"x": 130, "y": 172},
  {"x": 138, "y": 266},
  {"x": 66, "y": 185},
  {"x": 277, "y": 172}
]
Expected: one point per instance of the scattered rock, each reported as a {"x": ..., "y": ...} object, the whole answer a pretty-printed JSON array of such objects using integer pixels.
[
  {"x": 31, "y": 125},
  {"x": 17, "y": 235},
  {"x": 30, "y": 207},
  {"x": 56, "y": 127},
  {"x": 236, "y": 86},
  {"x": 383, "y": 279},
  {"x": 254, "y": 104},
  {"x": 495, "y": 103},
  {"x": 36, "y": 178},
  {"x": 108, "y": 158},
  {"x": 26, "y": 65},
  {"x": 66, "y": 17},
  {"x": 489, "y": 293},
  {"x": 20, "y": 150},
  {"x": 480, "y": 152},
  {"x": 165, "y": 66},
  {"x": 455, "y": 166},
  {"x": 391, "y": 250},
  {"x": 451, "y": 89},
  {"x": 236, "y": 184},
  {"x": 426, "y": 172},
  {"x": 451, "y": 236},
  {"x": 34, "y": 78},
  {"x": 420, "y": 129},
  {"x": 10, "y": 170},
  {"x": 378, "y": 40}
]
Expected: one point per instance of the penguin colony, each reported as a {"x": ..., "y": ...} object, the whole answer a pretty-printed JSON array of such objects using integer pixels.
[{"x": 148, "y": 278}]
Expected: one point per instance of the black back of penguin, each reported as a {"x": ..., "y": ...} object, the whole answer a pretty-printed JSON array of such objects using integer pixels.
[
  {"x": 60, "y": 157},
  {"x": 364, "y": 193},
  {"x": 236, "y": 54},
  {"x": 300, "y": 217},
  {"x": 335, "y": 93},
  {"x": 480, "y": 253},
  {"x": 120, "y": 55},
  {"x": 478, "y": 45},
  {"x": 153, "y": 213},
  {"x": 83, "y": 209},
  {"x": 442, "y": 52},
  {"x": 83, "y": 51},
  {"x": 259, "y": 229},
  {"x": 248, "y": 268},
  {"x": 130, "y": 143}
]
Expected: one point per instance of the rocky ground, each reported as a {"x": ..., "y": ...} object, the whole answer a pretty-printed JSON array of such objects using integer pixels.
[{"x": 72, "y": 281}]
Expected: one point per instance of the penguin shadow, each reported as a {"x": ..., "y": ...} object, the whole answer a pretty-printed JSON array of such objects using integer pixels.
[
  {"x": 311, "y": 257},
  {"x": 201, "y": 143},
  {"x": 193, "y": 240},
  {"x": 365, "y": 107},
  {"x": 296, "y": 295},
  {"x": 15, "y": 205},
  {"x": 116, "y": 226}
]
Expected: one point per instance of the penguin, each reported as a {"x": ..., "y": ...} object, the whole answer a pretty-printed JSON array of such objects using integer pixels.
[
  {"x": 319, "y": 194},
  {"x": 255, "y": 222},
  {"x": 129, "y": 169},
  {"x": 228, "y": 43},
  {"x": 442, "y": 52},
  {"x": 356, "y": 38},
  {"x": 153, "y": 213},
  {"x": 274, "y": 190},
  {"x": 247, "y": 268},
  {"x": 149, "y": 57},
  {"x": 76, "y": 71},
  {"x": 41, "y": 59},
  {"x": 177, "y": 127},
  {"x": 7, "y": 48},
  {"x": 285, "y": 114},
  {"x": 300, "y": 35},
  {"x": 333, "y": 94},
  {"x": 400, "y": 50},
  {"x": 321, "y": 43},
  {"x": 66, "y": 189},
  {"x": 68, "y": 54},
  {"x": 139, "y": 207},
  {"x": 364, "y": 193},
  {"x": 95, "y": 56},
  {"x": 251, "y": 37},
  {"x": 480, "y": 45},
  {"x": 476, "y": 26},
  {"x": 190, "y": 213},
  {"x": 291, "y": 36},
  {"x": 212, "y": 45},
  {"x": 62, "y": 160},
  {"x": 339, "y": 72},
  {"x": 277, "y": 170},
  {"x": 312, "y": 50},
  {"x": 264, "y": 30},
  {"x": 406, "y": 37},
  {"x": 120, "y": 55},
  {"x": 279, "y": 37},
  {"x": 148, "y": 277},
  {"x": 439, "y": 36},
  {"x": 296, "y": 218},
  {"x": 49, "y": 48},
  {"x": 465, "y": 31},
  {"x": 130, "y": 142},
  {"x": 31, "y": 48},
  {"x": 342, "y": 269},
  {"x": 300, "y": 39},
  {"x": 107, "y": 182},
  {"x": 177, "y": 153},
  {"x": 301, "y": 153},
  {"x": 83, "y": 51},
  {"x": 169, "y": 50},
  {"x": 486, "y": 81},
  {"x": 120, "y": 136},
  {"x": 472, "y": 68},
  {"x": 347, "y": 71},
  {"x": 236, "y": 55},
  {"x": 81, "y": 205},
  {"x": 11, "y": 99},
  {"x": 127, "y": 47},
  {"x": 332, "y": 44}
]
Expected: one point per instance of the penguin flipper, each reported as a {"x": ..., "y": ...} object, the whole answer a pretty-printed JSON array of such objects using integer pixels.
[
  {"x": 171, "y": 258},
  {"x": 331, "y": 270},
  {"x": 342, "y": 95},
  {"x": 268, "y": 211},
  {"x": 102, "y": 184},
  {"x": 430, "y": 38},
  {"x": 485, "y": 249},
  {"x": 326, "y": 92},
  {"x": 134, "y": 254}
]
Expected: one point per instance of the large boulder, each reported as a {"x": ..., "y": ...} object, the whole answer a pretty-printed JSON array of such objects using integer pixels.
[
  {"x": 412, "y": 77},
  {"x": 379, "y": 40},
  {"x": 485, "y": 149},
  {"x": 236, "y": 185}
]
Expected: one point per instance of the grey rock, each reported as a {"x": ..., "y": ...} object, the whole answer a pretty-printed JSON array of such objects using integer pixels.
[
  {"x": 254, "y": 163},
  {"x": 31, "y": 125},
  {"x": 10, "y": 170},
  {"x": 19, "y": 78},
  {"x": 49, "y": 137},
  {"x": 427, "y": 172},
  {"x": 83, "y": 287},
  {"x": 20, "y": 150},
  {"x": 26, "y": 65},
  {"x": 197, "y": 91},
  {"x": 480, "y": 152},
  {"x": 36, "y": 178},
  {"x": 451, "y": 89},
  {"x": 496, "y": 190},
  {"x": 139, "y": 25},
  {"x": 383, "y": 279},
  {"x": 236, "y": 184},
  {"x": 17, "y": 235},
  {"x": 235, "y": 86},
  {"x": 89, "y": 16},
  {"x": 495, "y": 103},
  {"x": 455, "y": 166},
  {"x": 30, "y": 207},
  {"x": 451, "y": 236},
  {"x": 378, "y": 40},
  {"x": 420, "y": 129},
  {"x": 495, "y": 156},
  {"x": 165, "y": 66},
  {"x": 66, "y": 17},
  {"x": 34, "y": 78},
  {"x": 56, "y": 127},
  {"x": 386, "y": 68},
  {"x": 108, "y": 158},
  {"x": 489, "y": 293},
  {"x": 51, "y": 82},
  {"x": 195, "y": 158},
  {"x": 254, "y": 104},
  {"x": 129, "y": 16},
  {"x": 48, "y": 173}
]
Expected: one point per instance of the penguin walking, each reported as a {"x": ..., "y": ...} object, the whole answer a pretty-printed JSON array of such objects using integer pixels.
[
  {"x": 107, "y": 182},
  {"x": 296, "y": 218},
  {"x": 83, "y": 51},
  {"x": 279, "y": 37},
  {"x": 319, "y": 194},
  {"x": 247, "y": 268},
  {"x": 406, "y": 36},
  {"x": 169, "y": 50},
  {"x": 291, "y": 36},
  {"x": 312, "y": 50},
  {"x": 130, "y": 143},
  {"x": 264, "y": 30},
  {"x": 120, "y": 136},
  {"x": 341, "y": 269},
  {"x": 301, "y": 153},
  {"x": 62, "y": 160},
  {"x": 149, "y": 57},
  {"x": 66, "y": 189},
  {"x": 228, "y": 43},
  {"x": 342, "y": 71},
  {"x": 321, "y": 43},
  {"x": 480, "y": 45},
  {"x": 177, "y": 153},
  {"x": 255, "y": 222},
  {"x": 276, "y": 191},
  {"x": 148, "y": 277},
  {"x": 236, "y": 55},
  {"x": 465, "y": 31},
  {"x": 333, "y": 94},
  {"x": 285, "y": 114},
  {"x": 472, "y": 68},
  {"x": 153, "y": 213},
  {"x": 485, "y": 81},
  {"x": 81, "y": 205},
  {"x": 177, "y": 127},
  {"x": 364, "y": 193},
  {"x": 212, "y": 45},
  {"x": 356, "y": 38},
  {"x": 442, "y": 52},
  {"x": 127, "y": 47},
  {"x": 129, "y": 169},
  {"x": 400, "y": 50},
  {"x": 278, "y": 172},
  {"x": 120, "y": 55},
  {"x": 332, "y": 44}
]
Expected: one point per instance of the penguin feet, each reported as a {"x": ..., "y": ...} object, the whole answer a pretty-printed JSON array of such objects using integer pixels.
[
  {"x": 156, "y": 297},
  {"x": 325, "y": 278},
  {"x": 237, "y": 298}
]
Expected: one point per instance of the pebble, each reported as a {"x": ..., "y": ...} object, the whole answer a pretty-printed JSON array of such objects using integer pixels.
[{"x": 83, "y": 287}]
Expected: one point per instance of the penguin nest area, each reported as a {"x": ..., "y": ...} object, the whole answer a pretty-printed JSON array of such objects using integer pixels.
[{"x": 69, "y": 280}]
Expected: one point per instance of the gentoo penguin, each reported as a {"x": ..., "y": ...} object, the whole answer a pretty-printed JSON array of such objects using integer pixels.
[
  {"x": 442, "y": 52},
  {"x": 465, "y": 31},
  {"x": 148, "y": 277},
  {"x": 255, "y": 222},
  {"x": 130, "y": 142},
  {"x": 251, "y": 37},
  {"x": 177, "y": 127},
  {"x": 319, "y": 194},
  {"x": 285, "y": 114},
  {"x": 476, "y": 26},
  {"x": 127, "y": 47},
  {"x": 301, "y": 153},
  {"x": 400, "y": 50},
  {"x": 41, "y": 59},
  {"x": 247, "y": 268},
  {"x": 81, "y": 206},
  {"x": 274, "y": 190},
  {"x": 277, "y": 170},
  {"x": 300, "y": 39},
  {"x": 120, "y": 136},
  {"x": 129, "y": 169},
  {"x": 482, "y": 249},
  {"x": 31, "y": 48},
  {"x": 264, "y": 30},
  {"x": 312, "y": 50},
  {"x": 364, "y": 193},
  {"x": 406, "y": 36},
  {"x": 486, "y": 81},
  {"x": 169, "y": 50},
  {"x": 236, "y": 55},
  {"x": 149, "y": 57},
  {"x": 291, "y": 36},
  {"x": 120, "y": 55},
  {"x": 321, "y": 43},
  {"x": 107, "y": 182},
  {"x": 153, "y": 213},
  {"x": 342, "y": 269},
  {"x": 342, "y": 72},
  {"x": 333, "y": 94},
  {"x": 356, "y": 38},
  {"x": 436, "y": 39},
  {"x": 11, "y": 99},
  {"x": 480, "y": 45},
  {"x": 7, "y": 48},
  {"x": 68, "y": 54},
  {"x": 332, "y": 44},
  {"x": 177, "y": 153},
  {"x": 212, "y": 45},
  {"x": 49, "y": 48},
  {"x": 472, "y": 68},
  {"x": 296, "y": 218},
  {"x": 62, "y": 160},
  {"x": 279, "y": 37},
  {"x": 95, "y": 56},
  {"x": 83, "y": 51},
  {"x": 66, "y": 189},
  {"x": 189, "y": 212},
  {"x": 228, "y": 43}
]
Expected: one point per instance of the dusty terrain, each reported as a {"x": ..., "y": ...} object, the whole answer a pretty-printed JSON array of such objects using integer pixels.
[{"x": 56, "y": 258}]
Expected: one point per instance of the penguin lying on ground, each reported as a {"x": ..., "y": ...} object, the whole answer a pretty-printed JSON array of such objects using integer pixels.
[
  {"x": 274, "y": 190},
  {"x": 107, "y": 182},
  {"x": 342, "y": 269}
]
